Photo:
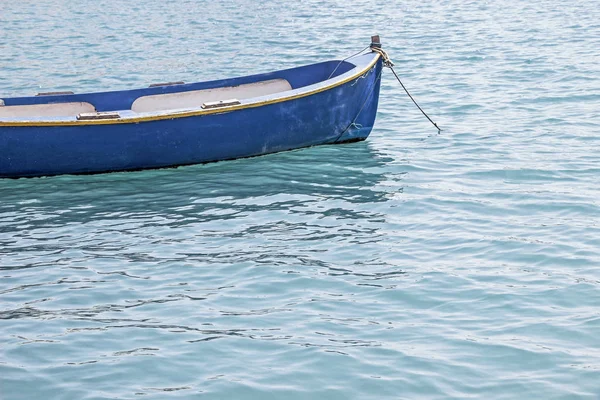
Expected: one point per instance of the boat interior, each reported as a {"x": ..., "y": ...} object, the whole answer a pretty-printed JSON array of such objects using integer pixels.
[{"x": 167, "y": 97}]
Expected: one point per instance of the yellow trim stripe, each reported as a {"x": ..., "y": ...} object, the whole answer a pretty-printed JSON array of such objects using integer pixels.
[{"x": 183, "y": 114}]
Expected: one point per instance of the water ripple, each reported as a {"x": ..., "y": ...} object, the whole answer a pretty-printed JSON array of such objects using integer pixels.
[{"x": 413, "y": 265}]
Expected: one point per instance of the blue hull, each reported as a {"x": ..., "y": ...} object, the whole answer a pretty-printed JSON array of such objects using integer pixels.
[{"x": 313, "y": 112}]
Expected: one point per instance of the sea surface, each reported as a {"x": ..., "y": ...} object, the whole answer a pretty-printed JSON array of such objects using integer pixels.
[{"x": 414, "y": 265}]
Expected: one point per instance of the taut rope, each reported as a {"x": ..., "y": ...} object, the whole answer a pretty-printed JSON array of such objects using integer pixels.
[
  {"x": 341, "y": 61},
  {"x": 388, "y": 63}
]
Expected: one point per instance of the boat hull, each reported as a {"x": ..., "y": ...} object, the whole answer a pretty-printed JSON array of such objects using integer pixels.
[{"x": 342, "y": 113}]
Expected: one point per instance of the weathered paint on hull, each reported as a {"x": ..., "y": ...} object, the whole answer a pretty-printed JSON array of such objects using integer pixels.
[{"x": 340, "y": 114}]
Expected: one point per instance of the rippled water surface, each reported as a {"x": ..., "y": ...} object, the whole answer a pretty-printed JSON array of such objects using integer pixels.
[{"x": 412, "y": 265}]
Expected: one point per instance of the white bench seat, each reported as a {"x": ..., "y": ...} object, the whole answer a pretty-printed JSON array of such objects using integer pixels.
[
  {"x": 46, "y": 110},
  {"x": 195, "y": 98}
]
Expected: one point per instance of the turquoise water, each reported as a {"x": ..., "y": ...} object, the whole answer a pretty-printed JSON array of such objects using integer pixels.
[{"x": 412, "y": 265}]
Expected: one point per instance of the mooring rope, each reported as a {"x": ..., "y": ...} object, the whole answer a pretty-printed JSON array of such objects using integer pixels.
[{"x": 388, "y": 63}]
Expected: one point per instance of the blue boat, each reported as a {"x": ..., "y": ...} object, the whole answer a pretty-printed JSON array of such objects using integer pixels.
[{"x": 173, "y": 124}]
